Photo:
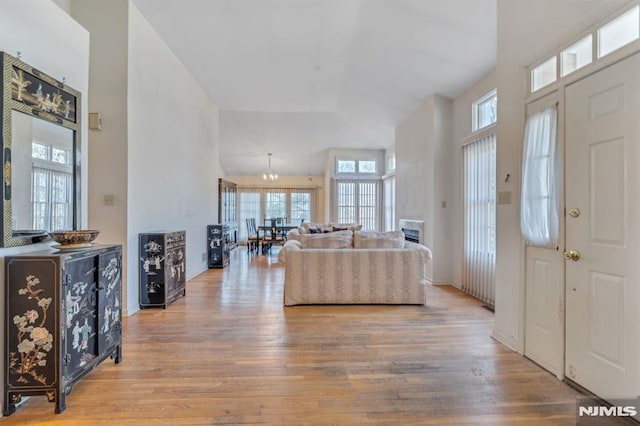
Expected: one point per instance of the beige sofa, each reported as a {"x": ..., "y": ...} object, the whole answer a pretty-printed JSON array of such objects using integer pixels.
[{"x": 355, "y": 268}]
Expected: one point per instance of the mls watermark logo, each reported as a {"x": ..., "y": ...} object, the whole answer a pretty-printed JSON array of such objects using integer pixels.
[{"x": 616, "y": 411}]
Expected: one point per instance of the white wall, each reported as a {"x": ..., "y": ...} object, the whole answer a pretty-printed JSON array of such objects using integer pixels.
[
  {"x": 157, "y": 152},
  {"x": 172, "y": 137},
  {"x": 442, "y": 189},
  {"x": 107, "y": 166},
  {"x": 423, "y": 178},
  {"x": 414, "y": 168},
  {"x": 64, "y": 4},
  {"x": 461, "y": 131}
]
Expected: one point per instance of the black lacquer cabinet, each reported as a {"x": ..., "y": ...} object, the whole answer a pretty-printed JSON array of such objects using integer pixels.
[
  {"x": 218, "y": 239},
  {"x": 162, "y": 267},
  {"x": 227, "y": 210},
  {"x": 63, "y": 318}
]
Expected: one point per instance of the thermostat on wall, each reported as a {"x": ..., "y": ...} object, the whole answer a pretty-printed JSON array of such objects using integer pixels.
[{"x": 95, "y": 121}]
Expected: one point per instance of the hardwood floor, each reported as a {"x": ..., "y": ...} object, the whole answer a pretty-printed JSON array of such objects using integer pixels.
[{"x": 229, "y": 353}]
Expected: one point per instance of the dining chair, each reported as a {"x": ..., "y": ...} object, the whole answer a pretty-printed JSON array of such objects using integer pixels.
[
  {"x": 275, "y": 233},
  {"x": 252, "y": 235}
]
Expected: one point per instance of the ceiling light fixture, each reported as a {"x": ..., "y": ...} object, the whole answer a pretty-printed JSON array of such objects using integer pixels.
[{"x": 269, "y": 176}]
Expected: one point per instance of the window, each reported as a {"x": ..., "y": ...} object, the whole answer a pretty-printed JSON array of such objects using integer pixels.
[
  {"x": 346, "y": 202},
  {"x": 478, "y": 277},
  {"x": 276, "y": 204},
  {"x": 356, "y": 166},
  {"x": 366, "y": 166},
  {"x": 346, "y": 166},
  {"x": 300, "y": 206},
  {"x": 52, "y": 187},
  {"x": 294, "y": 204},
  {"x": 577, "y": 55},
  {"x": 368, "y": 204},
  {"x": 539, "y": 217},
  {"x": 544, "y": 74},
  {"x": 391, "y": 162},
  {"x": 357, "y": 202},
  {"x": 389, "y": 185},
  {"x": 619, "y": 31},
  {"x": 485, "y": 110}
]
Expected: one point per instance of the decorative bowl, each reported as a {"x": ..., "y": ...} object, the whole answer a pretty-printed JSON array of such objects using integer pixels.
[{"x": 67, "y": 237}]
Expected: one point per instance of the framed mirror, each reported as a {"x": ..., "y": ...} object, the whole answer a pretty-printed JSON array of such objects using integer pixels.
[{"x": 40, "y": 154}]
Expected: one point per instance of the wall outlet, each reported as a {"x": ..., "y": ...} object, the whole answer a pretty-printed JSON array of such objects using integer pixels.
[
  {"x": 504, "y": 197},
  {"x": 443, "y": 204},
  {"x": 204, "y": 256}
]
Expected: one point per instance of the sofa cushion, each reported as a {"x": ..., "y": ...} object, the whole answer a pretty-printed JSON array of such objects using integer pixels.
[
  {"x": 346, "y": 226},
  {"x": 332, "y": 240},
  {"x": 374, "y": 239},
  {"x": 312, "y": 227}
]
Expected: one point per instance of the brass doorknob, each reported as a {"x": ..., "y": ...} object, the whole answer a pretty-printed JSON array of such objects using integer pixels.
[{"x": 572, "y": 255}]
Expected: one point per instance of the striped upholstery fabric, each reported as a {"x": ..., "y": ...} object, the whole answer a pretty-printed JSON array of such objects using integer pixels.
[
  {"x": 354, "y": 276},
  {"x": 331, "y": 240},
  {"x": 373, "y": 239}
]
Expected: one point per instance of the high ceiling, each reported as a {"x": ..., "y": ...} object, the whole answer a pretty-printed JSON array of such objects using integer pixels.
[{"x": 297, "y": 77}]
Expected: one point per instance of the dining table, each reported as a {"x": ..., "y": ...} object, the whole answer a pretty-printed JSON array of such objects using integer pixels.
[{"x": 284, "y": 227}]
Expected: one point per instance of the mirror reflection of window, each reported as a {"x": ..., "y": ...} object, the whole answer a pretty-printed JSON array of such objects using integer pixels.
[
  {"x": 52, "y": 187},
  {"x": 41, "y": 174}
]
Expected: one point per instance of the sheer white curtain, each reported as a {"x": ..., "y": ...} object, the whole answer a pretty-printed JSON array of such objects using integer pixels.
[
  {"x": 478, "y": 277},
  {"x": 249, "y": 207},
  {"x": 539, "y": 216},
  {"x": 51, "y": 197},
  {"x": 294, "y": 204}
]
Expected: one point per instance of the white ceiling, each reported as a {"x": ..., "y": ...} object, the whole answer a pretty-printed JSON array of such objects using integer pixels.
[{"x": 297, "y": 77}]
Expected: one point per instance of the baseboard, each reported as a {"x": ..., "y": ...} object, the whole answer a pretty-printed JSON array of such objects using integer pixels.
[{"x": 507, "y": 341}]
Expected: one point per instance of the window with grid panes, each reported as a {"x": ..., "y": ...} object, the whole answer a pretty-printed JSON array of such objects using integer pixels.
[
  {"x": 357, "y": 202},
  {"x": 300, "y": 207},
  {"x": 52, "y": 187}
]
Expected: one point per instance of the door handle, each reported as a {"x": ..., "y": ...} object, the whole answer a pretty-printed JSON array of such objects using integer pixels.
[{"x": 572, "y": 255}]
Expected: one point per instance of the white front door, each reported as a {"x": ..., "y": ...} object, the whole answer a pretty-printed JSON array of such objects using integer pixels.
[{"x": 603, "y": 231}]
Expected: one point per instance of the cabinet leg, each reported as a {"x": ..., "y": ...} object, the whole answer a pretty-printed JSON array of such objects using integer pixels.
[
  {"x": 10, "y": 401},
  {"x": 118, "y": 354},
  {"x": 61, "y": 401}
]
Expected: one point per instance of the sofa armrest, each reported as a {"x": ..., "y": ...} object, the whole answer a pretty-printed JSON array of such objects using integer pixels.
[
  {"x": 423, "y": 249},
  {"x": 289, "y": 245},
  {"x": 293, "y": 234}
]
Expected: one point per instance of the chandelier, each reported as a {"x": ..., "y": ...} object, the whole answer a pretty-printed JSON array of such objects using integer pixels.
[{"x": 269, "y": 176}]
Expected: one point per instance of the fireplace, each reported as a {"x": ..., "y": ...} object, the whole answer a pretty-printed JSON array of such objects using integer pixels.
[
  {"x": 413, "y": 230},
  {"x": 411, "y": 235}
]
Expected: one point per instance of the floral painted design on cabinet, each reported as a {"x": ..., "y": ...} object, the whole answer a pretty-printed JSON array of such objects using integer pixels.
[{"x": 35, "y": 340}]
